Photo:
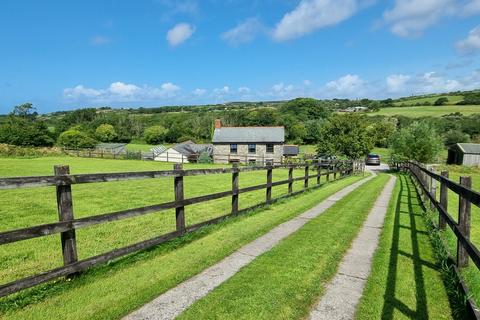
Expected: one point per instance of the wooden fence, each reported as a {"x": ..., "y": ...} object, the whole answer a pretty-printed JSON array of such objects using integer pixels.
[
  {"x": 67, "y": 223},
  {"x": 426, "y": 180}
]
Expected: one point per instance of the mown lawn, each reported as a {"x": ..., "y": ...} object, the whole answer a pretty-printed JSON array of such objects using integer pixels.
[
  {"x": 284, "y": 282},
  {"x": 471, "y": 274},
  {"x": 114, "y": 290},
  {"x": 405, "y": 282},
  {"x": 32, "y": 206},
  {"x": 426, "y": 111}
]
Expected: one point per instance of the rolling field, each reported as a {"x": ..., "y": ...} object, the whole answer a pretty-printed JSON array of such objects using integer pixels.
[
  {"x": 426, "y": 111},
  {"x": 431, "y": 99},
  {"x": 100, "y": 293}
]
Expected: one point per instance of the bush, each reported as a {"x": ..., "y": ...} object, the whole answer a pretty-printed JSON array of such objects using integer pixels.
[
  {"x": 76, "y": 140},
  {"x": 7, "y": 150},
  {"x": 25, "y": 132},
  {"x": 441, "y": 101},
  {"x": 205, "y": 157},
  {"x": 155, "y": 134},
  {"x": 453, "y": 137},
  {"x": 106, "y": 133}
]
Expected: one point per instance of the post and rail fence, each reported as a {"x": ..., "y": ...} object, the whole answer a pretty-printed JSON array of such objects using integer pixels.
[
  {"x": 426, "y": 180},
  {"x": 68, "y": 224}
]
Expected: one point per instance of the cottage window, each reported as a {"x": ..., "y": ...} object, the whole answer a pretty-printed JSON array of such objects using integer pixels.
[
  {"x": 252, "y": 148},
  {"x": 269, "y": 147},
  {"x": 233, "y": 148}
]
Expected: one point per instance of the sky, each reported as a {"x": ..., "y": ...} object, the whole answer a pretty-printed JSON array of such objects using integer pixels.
[{"x": 62, "y": 55}]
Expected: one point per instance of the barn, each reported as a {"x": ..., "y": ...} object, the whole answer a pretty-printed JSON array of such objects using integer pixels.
[{"x": 467, "y": 154}]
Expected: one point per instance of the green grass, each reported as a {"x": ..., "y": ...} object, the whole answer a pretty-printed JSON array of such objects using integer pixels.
[
  {"x": 114, "y": 290},
  {"x": 308, "y": 148},
  {"x": 426, "y": 111},
  {"x": 384, "y": 154},
  {"x": 139, "y": 147},
  {"x": 405, "y": 282},
  {"x": 284, "y": 282},
  {"x": 471, "y": 273},
  {"x": 431, "y": 99},
  {"x": 25, "y": 258}
]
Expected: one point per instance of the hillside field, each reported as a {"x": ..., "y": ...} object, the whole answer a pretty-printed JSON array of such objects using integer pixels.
[
  {"x": 452, "y": 100},
  {"x": 426, "y": 111}
]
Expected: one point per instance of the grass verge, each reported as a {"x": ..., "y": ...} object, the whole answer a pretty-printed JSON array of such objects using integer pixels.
[
  {"x": 114, "y": 290},
  {"x": 284, "y": 282},
  {"x": 406, "y": 278}
]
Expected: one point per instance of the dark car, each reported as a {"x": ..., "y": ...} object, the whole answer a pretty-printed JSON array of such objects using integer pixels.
[{"x": 372, "y": 159}]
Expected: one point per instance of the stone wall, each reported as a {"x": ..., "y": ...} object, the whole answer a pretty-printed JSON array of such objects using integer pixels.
[{"x": 221, "y": 153}]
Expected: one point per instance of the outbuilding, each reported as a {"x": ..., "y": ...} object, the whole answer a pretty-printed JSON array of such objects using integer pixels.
[
  {"x": 185, "y": 152},
  {"x": 467, "y": 154}
]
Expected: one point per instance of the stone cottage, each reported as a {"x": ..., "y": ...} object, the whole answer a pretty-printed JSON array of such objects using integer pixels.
[{"x": 248, "y": 145}]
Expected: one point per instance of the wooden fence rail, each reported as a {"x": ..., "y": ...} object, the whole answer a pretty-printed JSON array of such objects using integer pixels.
[
  {"x": 68, "y": 224},
  {"x": 426, "y": 180}
]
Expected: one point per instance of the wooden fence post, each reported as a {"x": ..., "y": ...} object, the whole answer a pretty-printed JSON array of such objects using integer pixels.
[
  {"x": 269, "y": 185},
  {"x": 319, "y": 169},
  {"x": 335, "y": 171},
  {"x": 305, "y": 182},
  {"x": 443, "y": 201},
  {"x": 433, "y": 190},
  {"x": 290, "y": 179},
  {"x": 235, "y": 174},
  {"x": 179, "y": 196},
  {"x": 65, "y": 213},
  {"x": 464, "y": 217}
]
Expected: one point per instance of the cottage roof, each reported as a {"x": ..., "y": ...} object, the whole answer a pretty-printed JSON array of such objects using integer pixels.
[
  {"x": 469, "y": 148},
  {"x": 188, "y": 148},
  {"x": 249, "y": 134}
]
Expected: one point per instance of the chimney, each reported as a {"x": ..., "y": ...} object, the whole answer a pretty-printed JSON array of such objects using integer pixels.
[{"x": 218, "y": 124}]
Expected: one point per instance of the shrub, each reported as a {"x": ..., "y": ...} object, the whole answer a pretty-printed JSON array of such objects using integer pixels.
[
  {"x": 453, "y": 137},
  {"x": 205, "y": 157},
  {"x": 106, "y": 133},
  {"x": 155, "y": 134},
  {"x": 441, "y": 101},
  {"x": 76, "y": 139},
  {"x": 7, "y": 150}
]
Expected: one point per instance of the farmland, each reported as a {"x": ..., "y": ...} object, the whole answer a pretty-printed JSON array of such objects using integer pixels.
[
  {"x": 426, "y": 111},
  {"x": 89, "y": 291}
]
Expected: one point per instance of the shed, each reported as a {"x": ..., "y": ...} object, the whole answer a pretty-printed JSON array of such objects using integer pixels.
[
  {"x": 290, "y": 150},
  {"x": 467, "y": 154},
  {"x": 184, "y": 152}
]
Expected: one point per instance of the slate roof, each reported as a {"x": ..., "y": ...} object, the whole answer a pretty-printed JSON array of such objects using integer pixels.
[
  {"x": 188, "y": 148},
  {"x": 469, "y": 148},
  {"x": 249, "y": 134}
]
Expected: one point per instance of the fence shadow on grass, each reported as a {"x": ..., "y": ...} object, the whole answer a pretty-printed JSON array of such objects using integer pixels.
[{"x": 399, "y": 250}]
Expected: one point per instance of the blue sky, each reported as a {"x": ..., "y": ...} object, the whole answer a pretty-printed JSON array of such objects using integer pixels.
[{"x": 62, "y": 55}]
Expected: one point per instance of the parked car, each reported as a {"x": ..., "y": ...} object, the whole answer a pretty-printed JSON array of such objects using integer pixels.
[{"x": 372, "y": 159}]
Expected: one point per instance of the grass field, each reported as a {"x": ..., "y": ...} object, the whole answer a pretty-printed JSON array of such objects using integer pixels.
[
  {"x": 284, "y": 282},
  {"x": 405, "y": 282},
  {"x": 139, "y": 147},
  {"x": 431, "y": 99},
  {"x": 112, "y": 291},
  {"x": 471, "y": 274},
  {"x": 426, "y": 111}
]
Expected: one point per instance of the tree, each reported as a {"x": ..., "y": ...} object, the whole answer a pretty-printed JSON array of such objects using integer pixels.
[
  {"x": 418, "y": 141},
  {"x": 345, "y": 135},
  {"x": 155, "y": 134},
  {"x": 381, "y": 132},
  {"x": 76, "y": 139},
  {"x": 453, "y": 137},
  {"x": 297, "y": 132},
  {"x": 106, "y": 133},
  {"x": 26, "y": 110},
  {"x": 441, "y": 101},
  {"x": 306, "y": 109}
]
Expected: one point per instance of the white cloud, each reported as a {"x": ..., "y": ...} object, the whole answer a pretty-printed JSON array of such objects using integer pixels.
[
  {"x": 397, "y": 82},
  {"x": 121, "y": 92},
  {"x": 347, "y": 85},
  {"x": 471, "y": 44},
  {"x": 243, "y": 32},
  {"x": 310, "y": 15},
  {"x": 199, "y": 92},
  {"x": 432, "y": 82},
  {"x": 99, "y": 40},
  {"x": 282, "y": 88},
  {"x": 243, "y": 90},
  {"x": 410, "y": 18},
  {"x": 223, "y": 90},
  {"x": 307, "y": 82},
  {"x": 179, "y": 33}
]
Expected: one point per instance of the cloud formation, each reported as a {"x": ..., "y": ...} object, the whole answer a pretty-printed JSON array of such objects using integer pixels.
[
  {"x": 243, "y": 32},
  {"x": 397, "y": 82},
  {"x": 121, "y": 92},
  {"x": 99, "y": 40},
  {"x": 311, "y": 15},
  {"x": 179, "y": 33},
  {"x": 410, "y": 18},
  {"x": 471, "y": 44}
]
